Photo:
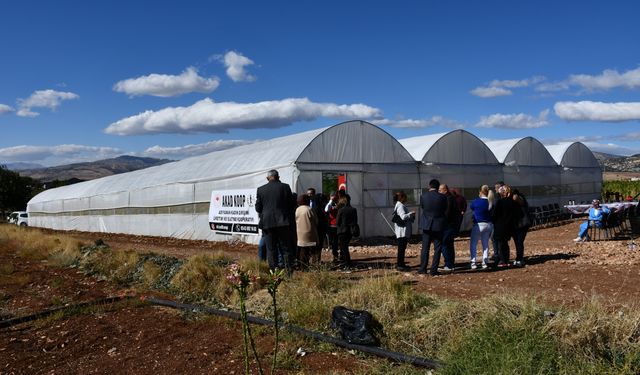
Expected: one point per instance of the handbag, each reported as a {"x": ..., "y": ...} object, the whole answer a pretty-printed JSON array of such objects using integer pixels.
[{"x": 397, "y": 220}]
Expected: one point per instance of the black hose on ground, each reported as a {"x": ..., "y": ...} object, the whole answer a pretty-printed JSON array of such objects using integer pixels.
[
  {"x": 398, "y": 357},
  {"x": 49, "y": 312}
]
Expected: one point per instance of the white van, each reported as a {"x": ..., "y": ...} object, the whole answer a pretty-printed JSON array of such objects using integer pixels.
[{"x": 20, "y": 218}]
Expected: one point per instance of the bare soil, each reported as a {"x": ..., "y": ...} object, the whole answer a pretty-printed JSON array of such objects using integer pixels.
[{"x": 141, "y": 339}]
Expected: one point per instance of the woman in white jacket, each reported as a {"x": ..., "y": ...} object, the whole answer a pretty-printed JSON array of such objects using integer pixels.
[{"x": 402, "y": 227}]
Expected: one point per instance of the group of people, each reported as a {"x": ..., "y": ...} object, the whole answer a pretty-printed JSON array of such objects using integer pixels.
[
  {"x": 498, "y": 215},
  {"x": 294, "y": 227}
]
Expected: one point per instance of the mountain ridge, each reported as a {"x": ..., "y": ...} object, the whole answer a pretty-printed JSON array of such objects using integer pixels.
[{"x": 92, "y": 170}]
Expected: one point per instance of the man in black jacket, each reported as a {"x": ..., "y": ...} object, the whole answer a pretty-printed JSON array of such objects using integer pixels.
[
  {"x": 432, "y": 223},
  {"x": 274, "y": 204}
]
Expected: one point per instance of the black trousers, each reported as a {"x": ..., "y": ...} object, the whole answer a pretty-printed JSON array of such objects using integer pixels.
[
  {"x": 518, "y": 237},
  {"x": 280, "y": 236},
  {"x": 402, "y": 247},
  {"x": 429, "y": 236},
  {"x": 343, "y": 242},
  {"x": 503, "y": 249}
]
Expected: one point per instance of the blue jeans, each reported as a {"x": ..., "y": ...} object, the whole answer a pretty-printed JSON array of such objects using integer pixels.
[{"x": 482, "y": 232}]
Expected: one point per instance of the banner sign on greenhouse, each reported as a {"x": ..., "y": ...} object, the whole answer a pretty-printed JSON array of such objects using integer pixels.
[{"x": 233, "y": 212}]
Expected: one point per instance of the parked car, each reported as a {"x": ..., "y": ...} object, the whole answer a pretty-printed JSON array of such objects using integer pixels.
[{"x": 20, "y": 218}]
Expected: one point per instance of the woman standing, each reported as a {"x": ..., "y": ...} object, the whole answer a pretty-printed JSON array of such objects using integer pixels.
[
  {"x": 522, "y": 226},
  {"x": 306, "y": 223},
  {"x": 403, "y": 229},
  {"x": 347, "y": 217},
  {"x": 504, "y": 223},
  {"x": 482, "y": 227}
]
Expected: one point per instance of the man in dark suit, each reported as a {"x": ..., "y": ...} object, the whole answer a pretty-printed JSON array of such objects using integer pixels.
[
  {"x": 453, "y": 218},
  {"x": 432, "y": 223},
  {"x": 274, "y": 204}
]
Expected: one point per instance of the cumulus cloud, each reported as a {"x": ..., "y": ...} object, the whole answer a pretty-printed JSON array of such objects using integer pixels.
[
  {"x": 60, "y": 154},
  {"x": 4, "y": 109},
  {"x": 164, "y": 85},
  {"x": 419, "y": 123},
  {"x": 502, "y": 87},
  {"x": 193, "y": 150},
  {"x": 598, "y": 111},
  {"x": 514, "y": 121},
  {"x": 236, "y": 65},
  {"x": 43, "y": 99},
  {"x": 209, "y": 116},
  {"x": 607, "y": 80}
]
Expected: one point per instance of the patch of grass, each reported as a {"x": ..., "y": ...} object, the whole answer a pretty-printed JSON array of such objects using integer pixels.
[
  {"x": 115, "y": 265},
  {"x": 202, "y": 278},
  {"x": 151, "y": 272}
]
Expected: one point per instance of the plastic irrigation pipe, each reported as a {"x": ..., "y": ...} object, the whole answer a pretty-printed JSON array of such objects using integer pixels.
[
  {"x": 45, "y": 313},
  {"x": 399, "y": 357}
]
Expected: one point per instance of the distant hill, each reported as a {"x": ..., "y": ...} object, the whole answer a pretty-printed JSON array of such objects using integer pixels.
[
  {"x": 92, "y": 170},
  {"x": 618, "y": 163}
]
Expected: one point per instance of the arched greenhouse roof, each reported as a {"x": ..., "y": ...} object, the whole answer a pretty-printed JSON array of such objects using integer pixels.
[
  {"x": 348, "y": 142},
  {"x": 573, "y": 154},
  {"x": 526, "y": 151},
  {"x": 455, "y": 147}
]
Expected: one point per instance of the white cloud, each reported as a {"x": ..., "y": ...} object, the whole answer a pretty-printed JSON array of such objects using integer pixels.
[
  {"x": 235, "y": 63},
  {"x": 514, "y": 121},
  {"x": 419, "y": 123},
  {"x": 165, "y": 85},
  {"x": 490, "y": 92},
  {"x": 60, "y": 154},
  {"x": 193, "y": 150},
  {"x": 598, "y": 111},
  {"x": 208, "y": 116},
  {"x": 501, "y": 87},
  {"x": 609, "y": 79},
  {"x": 635, "y": 136},
  {"x": 43, "y": 99},
  {"x": 4, "y": 109}
]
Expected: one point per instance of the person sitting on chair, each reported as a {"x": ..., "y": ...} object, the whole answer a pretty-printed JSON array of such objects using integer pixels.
[{"x": 596, "y": 216}]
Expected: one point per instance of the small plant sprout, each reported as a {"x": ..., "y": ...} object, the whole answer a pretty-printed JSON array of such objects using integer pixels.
[
  {"x": 240, "y": 280},
  {"x": 273, "y": 282}
]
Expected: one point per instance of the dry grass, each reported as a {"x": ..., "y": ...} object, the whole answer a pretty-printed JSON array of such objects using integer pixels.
[{"x": 32, "y": 244}]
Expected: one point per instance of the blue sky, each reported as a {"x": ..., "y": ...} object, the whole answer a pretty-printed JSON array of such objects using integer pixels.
[{"x": 82, "y": 81}]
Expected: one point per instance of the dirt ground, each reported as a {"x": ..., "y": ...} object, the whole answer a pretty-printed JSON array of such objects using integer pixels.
[{"x": 155, "y": 340}]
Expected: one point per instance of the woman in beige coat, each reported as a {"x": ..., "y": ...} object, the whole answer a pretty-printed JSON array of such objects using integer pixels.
[{"x": 306, "y": 224}]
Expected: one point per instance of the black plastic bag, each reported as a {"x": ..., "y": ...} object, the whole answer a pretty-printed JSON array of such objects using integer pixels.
[{"x": 355, "y": 326}]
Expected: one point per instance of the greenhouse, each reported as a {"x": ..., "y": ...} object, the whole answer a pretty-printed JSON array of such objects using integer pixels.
[
  {"x": 580, "y": 172},
  {"x": 457, "y": 158},
  {"x": 528, "y": 167},
  {"x": 173, "y": 199},
  {"x": 178, "y": 199}
]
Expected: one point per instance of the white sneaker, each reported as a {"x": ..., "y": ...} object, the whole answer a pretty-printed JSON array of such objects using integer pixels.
[
  {"x": 577, "y": 239},
  {"x": 473, "y": 266},
  {"x": 484, "y": 266}
]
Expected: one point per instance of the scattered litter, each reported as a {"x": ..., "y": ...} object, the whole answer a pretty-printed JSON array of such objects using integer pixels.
[{"x": 301, "y": 352}]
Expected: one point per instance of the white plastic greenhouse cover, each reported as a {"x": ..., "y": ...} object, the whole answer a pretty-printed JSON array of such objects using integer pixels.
[
  {"x": 521, "y": 151},
  {"x": 573, "y": 154},
  {"x": 454, "y": 147},
  {"x": 172, "y": 199}
]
